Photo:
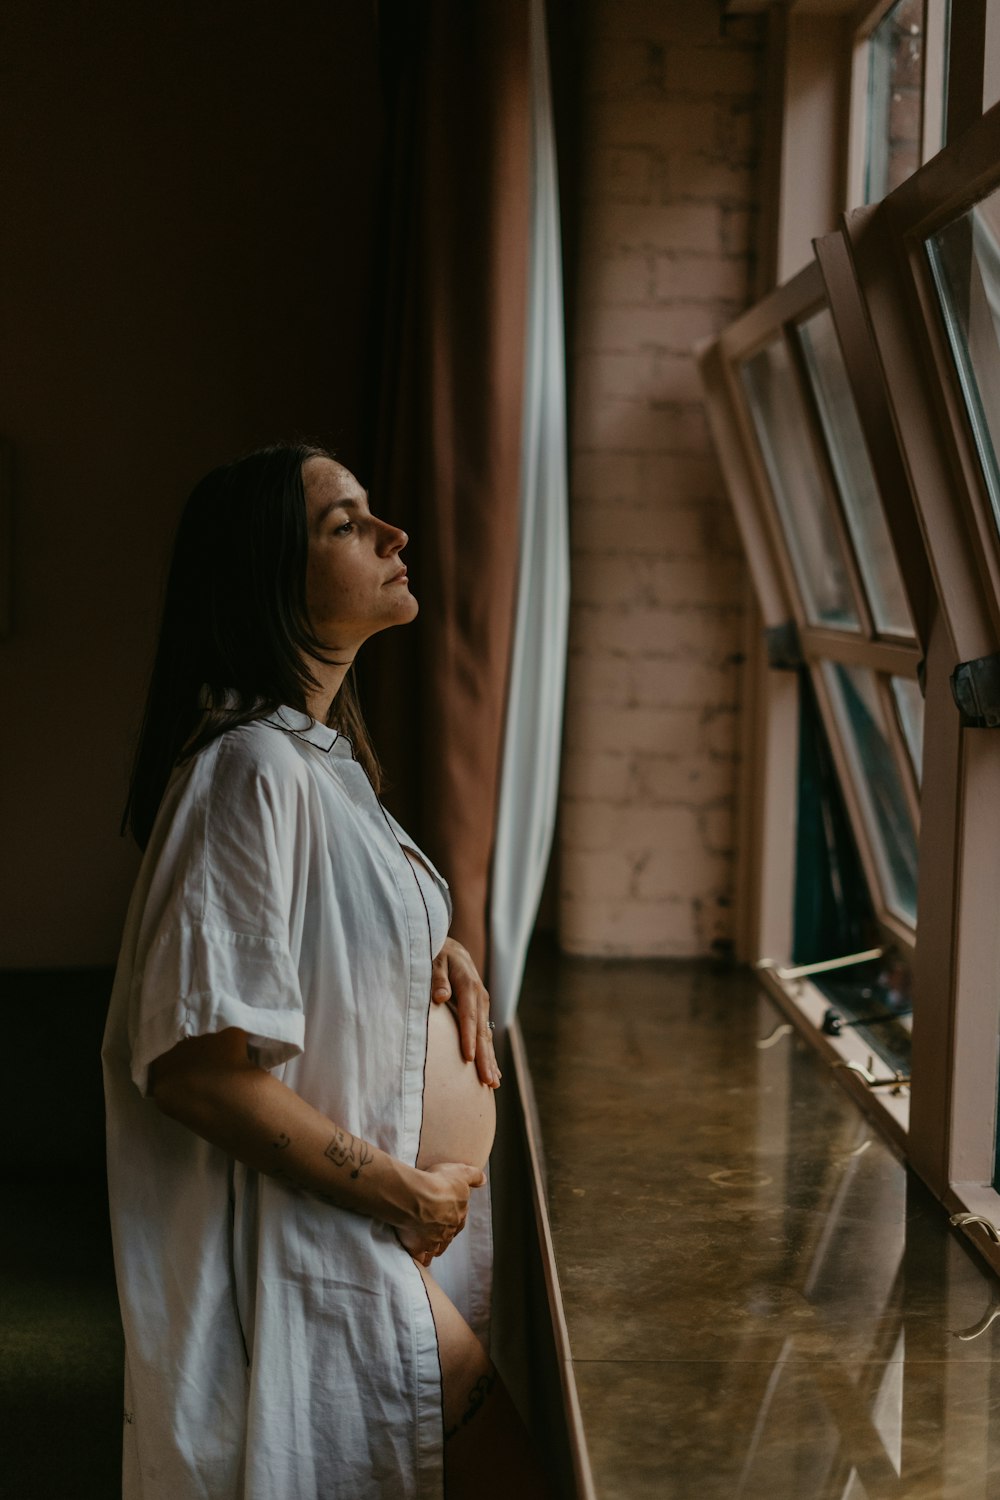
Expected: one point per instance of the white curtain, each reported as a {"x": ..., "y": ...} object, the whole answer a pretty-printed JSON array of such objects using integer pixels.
[{"x": 530, "y": 775}]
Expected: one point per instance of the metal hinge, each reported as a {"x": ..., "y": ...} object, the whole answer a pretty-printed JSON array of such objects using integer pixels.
[
  {"x": 975, "y": 687},
  {"x": 784, "y": 649}
]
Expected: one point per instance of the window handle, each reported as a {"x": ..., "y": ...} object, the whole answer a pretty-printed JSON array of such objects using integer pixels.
[
  {"x": 966, "y": 1221},
  {"x": 801, "y": 971}
]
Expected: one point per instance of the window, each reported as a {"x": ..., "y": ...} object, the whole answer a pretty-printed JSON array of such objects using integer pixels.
[
  {"x": 899, "y": 89},
  {"x": 964, "y": 257},
  {"x": 778, "y": 379}
]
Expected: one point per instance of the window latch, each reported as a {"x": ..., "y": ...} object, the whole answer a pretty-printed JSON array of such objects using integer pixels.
[
  {"x": 783, "y": 647},
  {"x": 975, "y": 687},
  {"x": 896, "y": 1084}
]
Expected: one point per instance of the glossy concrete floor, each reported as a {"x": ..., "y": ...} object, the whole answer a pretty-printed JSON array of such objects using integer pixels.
[{"x": 761, "y": 1300}]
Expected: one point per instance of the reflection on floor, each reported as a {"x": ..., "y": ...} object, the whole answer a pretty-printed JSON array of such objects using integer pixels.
[{"x": 761, "y": 1301}]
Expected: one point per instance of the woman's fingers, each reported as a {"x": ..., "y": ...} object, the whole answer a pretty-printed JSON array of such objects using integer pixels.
[
  {"x": 486, "y": 1058},
  {"x": 440, "y": 983},
  {"x": 472, "y": 1003}
]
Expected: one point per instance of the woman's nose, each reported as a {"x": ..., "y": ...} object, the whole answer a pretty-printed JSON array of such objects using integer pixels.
[{"x": 394, "y": 539}]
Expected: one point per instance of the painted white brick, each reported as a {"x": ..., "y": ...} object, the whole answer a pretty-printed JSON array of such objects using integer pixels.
[
  {"x": 600, "y": 875},
  {"x": 628, "y": 928},
  {"x": 681, "y": 225},
  {"x": 659, "y": 875},
  {"x": 657, "y": 730},
  {"x": 597, "y": 776},
  {"x": 712, "y": 70},
  {"x": 624, "y": 280},
  {"x": 622, "y": 174},
  {"x": 703, "y": 174},
  {"x": 631, "y": 374},
  {"x": 607, "y": 476},
  {"x": 670, "y": 327},
  {"x": 693, "y": 476},
  {"x": 659, "y": 682},
  {"x": 659, "y": 582},
  {"x": 635, "y": 122},
  {"x": 629, "y": 66},
  {"x": 700, "y": 277}
]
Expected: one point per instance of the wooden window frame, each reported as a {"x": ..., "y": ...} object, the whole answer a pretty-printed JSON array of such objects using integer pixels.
[
  {"x": 778, "y": 315},
  {"x": 768, "y": 843},
  {"x": 956, "y": 1058}
]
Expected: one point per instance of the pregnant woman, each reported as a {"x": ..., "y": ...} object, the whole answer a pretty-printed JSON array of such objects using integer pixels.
[{"x": 296, "y": 1128}]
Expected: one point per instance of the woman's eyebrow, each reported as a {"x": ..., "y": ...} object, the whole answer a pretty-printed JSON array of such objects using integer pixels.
[{"x": 332, "y": 505}]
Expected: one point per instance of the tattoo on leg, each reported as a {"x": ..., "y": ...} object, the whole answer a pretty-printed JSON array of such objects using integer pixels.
[
  {"x": 477, "y": 1396},
  {"x": 345, "y": 1149}
]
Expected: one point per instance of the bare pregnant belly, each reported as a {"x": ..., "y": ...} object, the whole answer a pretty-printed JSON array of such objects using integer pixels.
[{"x": 459, "y": 1112}]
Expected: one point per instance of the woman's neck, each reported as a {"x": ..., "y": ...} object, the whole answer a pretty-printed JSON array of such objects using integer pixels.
[{"x": 329, "y": 677}]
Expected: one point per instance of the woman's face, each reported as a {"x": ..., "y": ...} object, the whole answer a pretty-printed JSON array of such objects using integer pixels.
[{"x": 355, "y": 582}]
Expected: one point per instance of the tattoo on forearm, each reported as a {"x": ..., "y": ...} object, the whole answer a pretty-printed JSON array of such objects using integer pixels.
[
  {"x": 477, "y": 1396},
  {"x": 282, "y": 1143},
  {"x": 347, "y": 1150}
]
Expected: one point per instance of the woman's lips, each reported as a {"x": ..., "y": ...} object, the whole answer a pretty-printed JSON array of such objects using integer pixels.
[{"x": 399, "y": 577}]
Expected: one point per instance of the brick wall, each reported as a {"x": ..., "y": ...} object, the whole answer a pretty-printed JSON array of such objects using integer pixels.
[{"x": 668, "y": 178}]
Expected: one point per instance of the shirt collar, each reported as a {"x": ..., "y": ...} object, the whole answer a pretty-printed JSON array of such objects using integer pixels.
[{"x": 292, "y": 721}]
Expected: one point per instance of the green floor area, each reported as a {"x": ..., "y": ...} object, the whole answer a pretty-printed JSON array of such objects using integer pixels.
[
  {"x": 60, "y": 1342},
  {"x": 60, "y": 1334}
]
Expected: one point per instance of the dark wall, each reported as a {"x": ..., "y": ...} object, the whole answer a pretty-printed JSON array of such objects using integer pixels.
[{"x": 189, "y": 227}]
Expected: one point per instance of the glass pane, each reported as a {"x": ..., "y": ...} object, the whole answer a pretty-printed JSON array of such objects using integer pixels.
[
  {"x": 895, "y": 98},
  {"x": 853, "y": 472},
  {"x": 877, "y": 784},
  {"x": 965, "y": 261},
  {"x": 807, "y": 520},
  {"x": 910, "y": 707}
]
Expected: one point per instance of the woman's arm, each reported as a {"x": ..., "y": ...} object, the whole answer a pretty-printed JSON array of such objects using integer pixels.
[{"x": 209, "y": 1084}]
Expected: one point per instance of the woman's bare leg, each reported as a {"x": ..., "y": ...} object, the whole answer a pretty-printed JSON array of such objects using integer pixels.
[{"x": 488, "y": 1454}]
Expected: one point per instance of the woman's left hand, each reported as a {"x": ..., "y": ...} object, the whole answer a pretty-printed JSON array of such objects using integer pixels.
[{"x": 456, "y": 976}]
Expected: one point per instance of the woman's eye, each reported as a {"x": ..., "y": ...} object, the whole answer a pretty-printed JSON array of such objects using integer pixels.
[{"x": 344, "y": 529}]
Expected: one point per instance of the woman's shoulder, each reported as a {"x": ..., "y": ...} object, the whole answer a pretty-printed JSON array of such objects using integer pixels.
[{"x": 250, "y": 760}]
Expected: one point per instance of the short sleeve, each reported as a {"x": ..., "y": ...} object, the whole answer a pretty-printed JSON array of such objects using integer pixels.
[{"x": 224, "y": 879}]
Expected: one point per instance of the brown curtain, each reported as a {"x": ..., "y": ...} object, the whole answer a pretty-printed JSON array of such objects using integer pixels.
[{"x": 447, "y": 445}]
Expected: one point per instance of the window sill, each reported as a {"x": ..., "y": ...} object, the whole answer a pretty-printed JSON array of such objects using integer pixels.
[{"x": 805, "y": 1006}]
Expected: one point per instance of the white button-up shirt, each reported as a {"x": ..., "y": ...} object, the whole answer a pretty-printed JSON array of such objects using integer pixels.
[{"x": 277, "y": 1348}]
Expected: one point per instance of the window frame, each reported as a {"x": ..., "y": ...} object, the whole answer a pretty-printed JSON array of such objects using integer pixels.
[
  {"x": 957, "y": 1004},
  {"x": 779, "y": 315}
]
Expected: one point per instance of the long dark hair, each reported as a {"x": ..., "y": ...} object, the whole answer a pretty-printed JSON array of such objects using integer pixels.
[{"x": 235, "y": 637}]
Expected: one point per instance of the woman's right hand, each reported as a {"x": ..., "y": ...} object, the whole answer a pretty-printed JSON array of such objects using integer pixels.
[{"x": 443, "y": 1194}]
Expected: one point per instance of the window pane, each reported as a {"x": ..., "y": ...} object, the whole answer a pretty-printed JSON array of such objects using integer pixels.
[
  {"x": 877, "y": 785},
  {"x": 910, "y": 707},
  {"x": 895, "y": 98},
  {"x": 853, "y": 472},
  {"x": 965, "y": 261},
  {"x": 781, "y": 423}
]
